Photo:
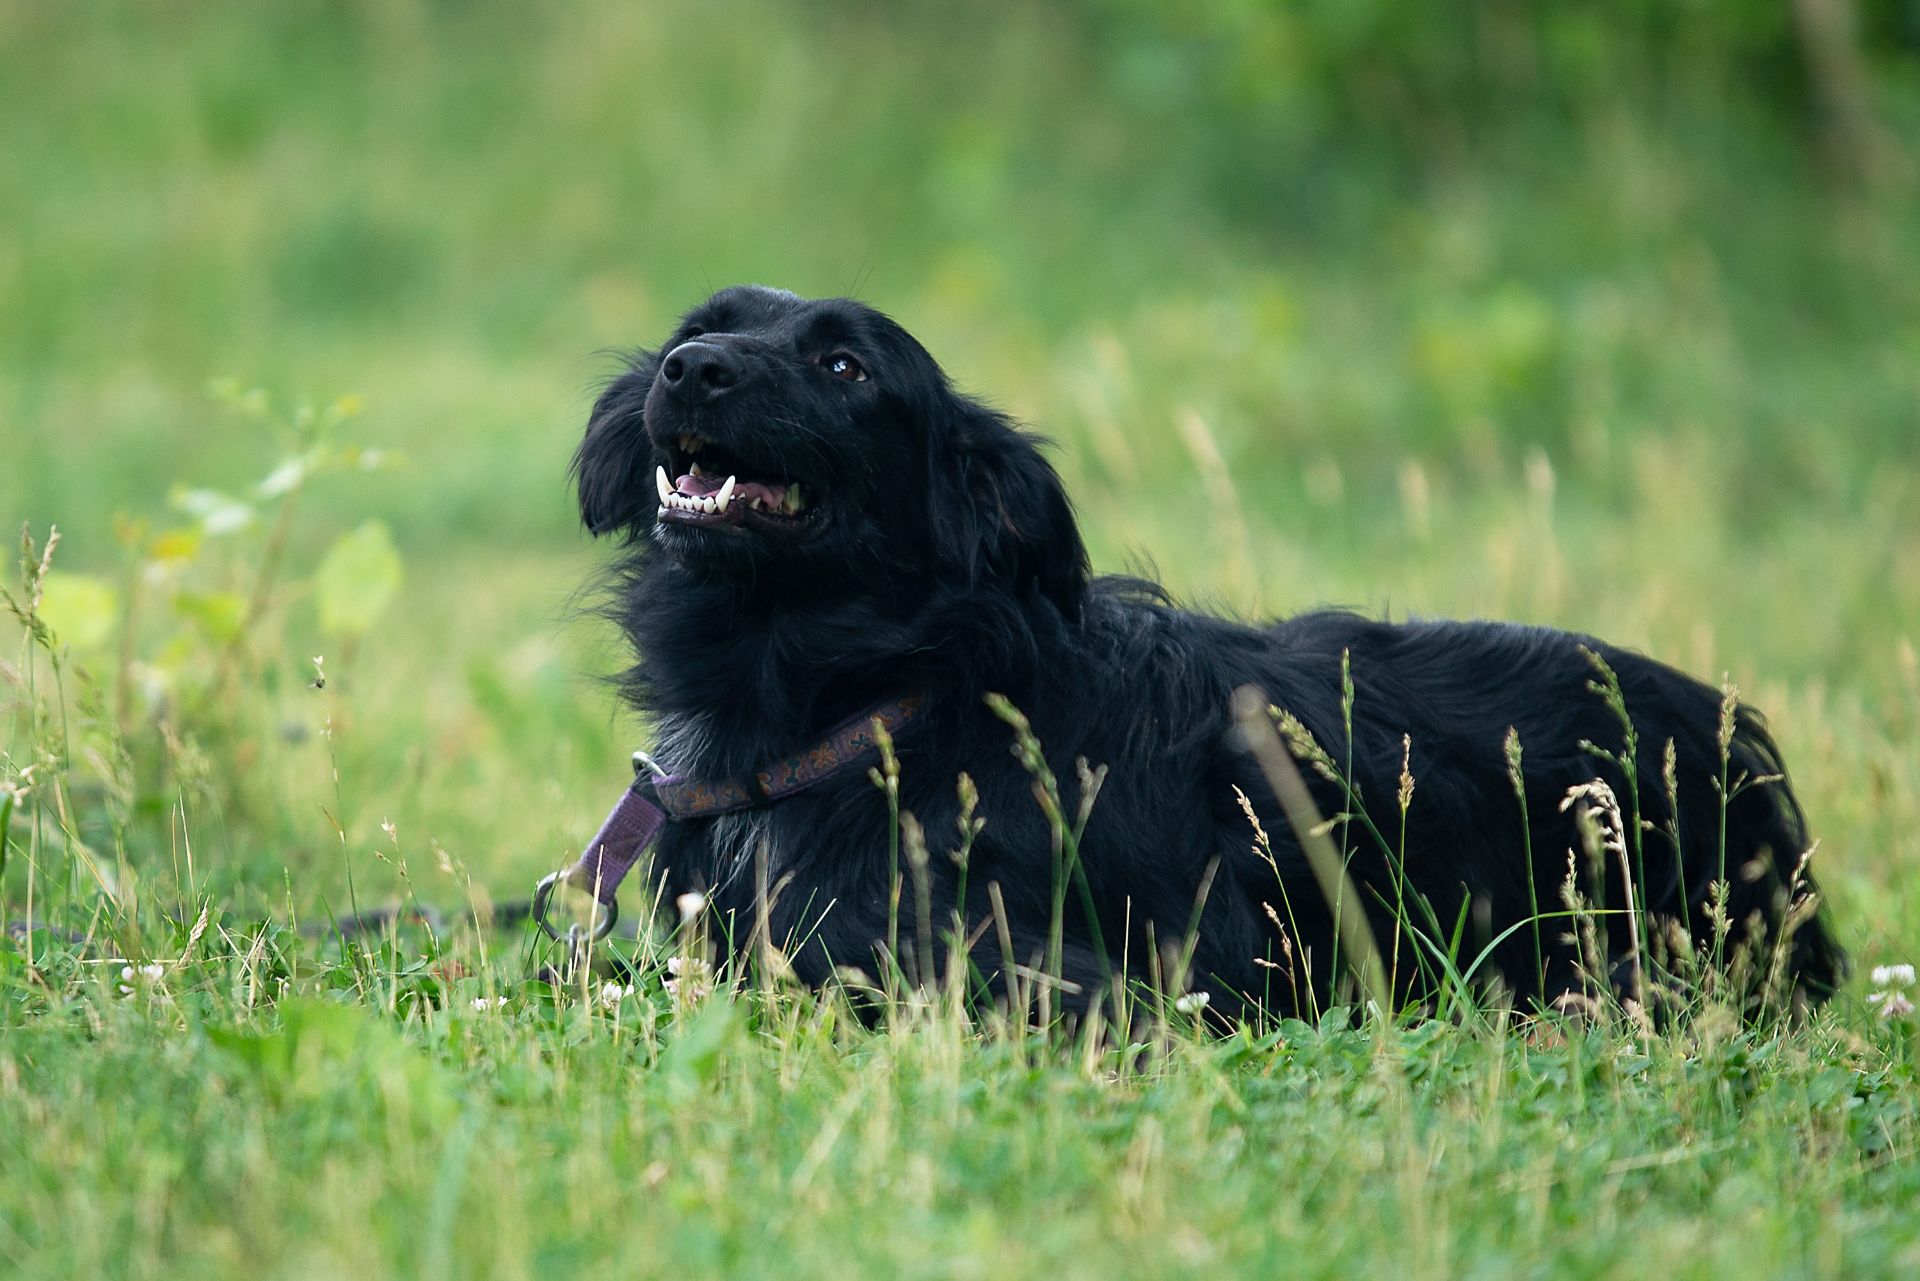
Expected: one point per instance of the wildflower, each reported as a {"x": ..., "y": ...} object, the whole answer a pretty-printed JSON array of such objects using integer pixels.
[
  {"x": 1891, "y": 1004},
  {"x": 1892, "y": 1000},
  {"x": 1193, "y": 1002},
  {"x": 138, "y": 976},
  {"x": 489, "y": 1003},
  {"x": 689, "y": 978},
  {"x": 611, "y": 994},
  {"x": 1893, "y": 975},
  {"x": 690, "y": 905}
]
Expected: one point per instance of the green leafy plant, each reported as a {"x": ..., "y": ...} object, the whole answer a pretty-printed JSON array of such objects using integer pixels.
[{"x": 152, "y": 675}]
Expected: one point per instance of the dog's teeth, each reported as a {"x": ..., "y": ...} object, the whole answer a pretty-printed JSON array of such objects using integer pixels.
[
  {"x": 696, "y": 469},
  {"x": 725, "y": 495},
  {"x": 666, "y": 487}
]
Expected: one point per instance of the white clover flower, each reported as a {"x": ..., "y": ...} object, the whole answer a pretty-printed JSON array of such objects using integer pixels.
[
  {"x": 488, "y": 1003},
  {"x": 135, "y": 977},
  {"x": 691, "y": 978},
  {"x": 690, "y": 904},
  {"x": 613, "y": 993},
  {"x": 1892, "y": 1000},
  {"x": 1193, "y": 1002},
  {"x": 1892, "y": 1005},
  {"x": 1893, "y": 975}
]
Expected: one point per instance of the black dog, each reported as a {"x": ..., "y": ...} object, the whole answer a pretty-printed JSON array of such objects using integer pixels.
[{"x": 818, "y": 523}]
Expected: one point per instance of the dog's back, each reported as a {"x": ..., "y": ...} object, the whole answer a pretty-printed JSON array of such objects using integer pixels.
[{"x": 1477, "y": 714}]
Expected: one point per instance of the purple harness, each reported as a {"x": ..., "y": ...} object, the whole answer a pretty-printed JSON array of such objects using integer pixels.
[{"x": 657, "y": 797}]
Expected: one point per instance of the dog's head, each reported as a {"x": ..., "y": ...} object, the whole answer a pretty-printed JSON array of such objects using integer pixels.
[{"x": 814, "y": 444}]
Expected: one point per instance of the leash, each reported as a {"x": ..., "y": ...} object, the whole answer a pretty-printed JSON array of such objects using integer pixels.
[
  {"x": 372, "y": 920},
  {"x": 657, "y": 798},
  {"x": 654, "y": 799}
]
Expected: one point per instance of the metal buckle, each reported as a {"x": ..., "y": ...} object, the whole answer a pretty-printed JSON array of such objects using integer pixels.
[
  {"x": 644, "y": 762},
  {"x": 603, "y": 918}
]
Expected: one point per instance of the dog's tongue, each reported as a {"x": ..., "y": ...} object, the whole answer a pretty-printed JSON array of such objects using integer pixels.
[{"x": 770, "y": 496}]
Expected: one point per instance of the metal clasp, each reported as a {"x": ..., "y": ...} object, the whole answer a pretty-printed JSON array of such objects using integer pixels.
[
  {"x": 602, "y": 921},
  {"x": 605, "y": 915}
]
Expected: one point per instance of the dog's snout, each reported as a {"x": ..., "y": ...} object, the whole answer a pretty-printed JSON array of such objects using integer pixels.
[{"x": 700, "y": 371}]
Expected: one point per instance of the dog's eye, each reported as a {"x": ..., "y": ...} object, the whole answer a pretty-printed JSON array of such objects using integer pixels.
[{"x": 845, "y": 367}]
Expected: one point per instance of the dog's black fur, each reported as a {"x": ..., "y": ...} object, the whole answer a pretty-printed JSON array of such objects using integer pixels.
[{"x": 940, "y": 556}]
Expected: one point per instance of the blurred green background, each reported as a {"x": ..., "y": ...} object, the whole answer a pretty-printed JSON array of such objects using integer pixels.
[{"x": 1605, "y": 316}]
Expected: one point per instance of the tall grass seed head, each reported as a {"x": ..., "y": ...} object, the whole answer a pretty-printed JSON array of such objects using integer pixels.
[
  {"x": 1512, "y": 749},
  {"x": 1406, "y": 772},
  {"x": 1729, "y": 714},
  {"x": 1301, "y": 742}
]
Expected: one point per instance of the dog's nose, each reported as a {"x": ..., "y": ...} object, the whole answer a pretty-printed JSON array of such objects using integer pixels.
[{"x": 700, "y": 371}]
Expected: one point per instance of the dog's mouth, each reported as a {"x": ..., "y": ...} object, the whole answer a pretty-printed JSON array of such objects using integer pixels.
[{"x": 707, "y": 486}]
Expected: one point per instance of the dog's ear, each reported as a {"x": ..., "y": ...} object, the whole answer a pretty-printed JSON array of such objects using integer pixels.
[
  {"x": 1000, "y": 514},
  {"x": 610, "y": 467}
]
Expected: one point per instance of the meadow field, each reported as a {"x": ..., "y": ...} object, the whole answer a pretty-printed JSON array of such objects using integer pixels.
[{"x": 1605, "y": 318}]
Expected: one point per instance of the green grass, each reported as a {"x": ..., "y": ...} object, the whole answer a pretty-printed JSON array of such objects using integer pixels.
[
  {"x": 180, "y": 1132},
  {"x": 1571, "y": 319}
]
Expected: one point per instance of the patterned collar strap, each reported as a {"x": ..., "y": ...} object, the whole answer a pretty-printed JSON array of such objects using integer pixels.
[
  {"x": 849, "y": 745},
  {"x": 653, "y": 799}
]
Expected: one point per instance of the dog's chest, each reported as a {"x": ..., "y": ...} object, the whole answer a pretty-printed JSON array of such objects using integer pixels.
[{"x": 736, "y": 842}]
